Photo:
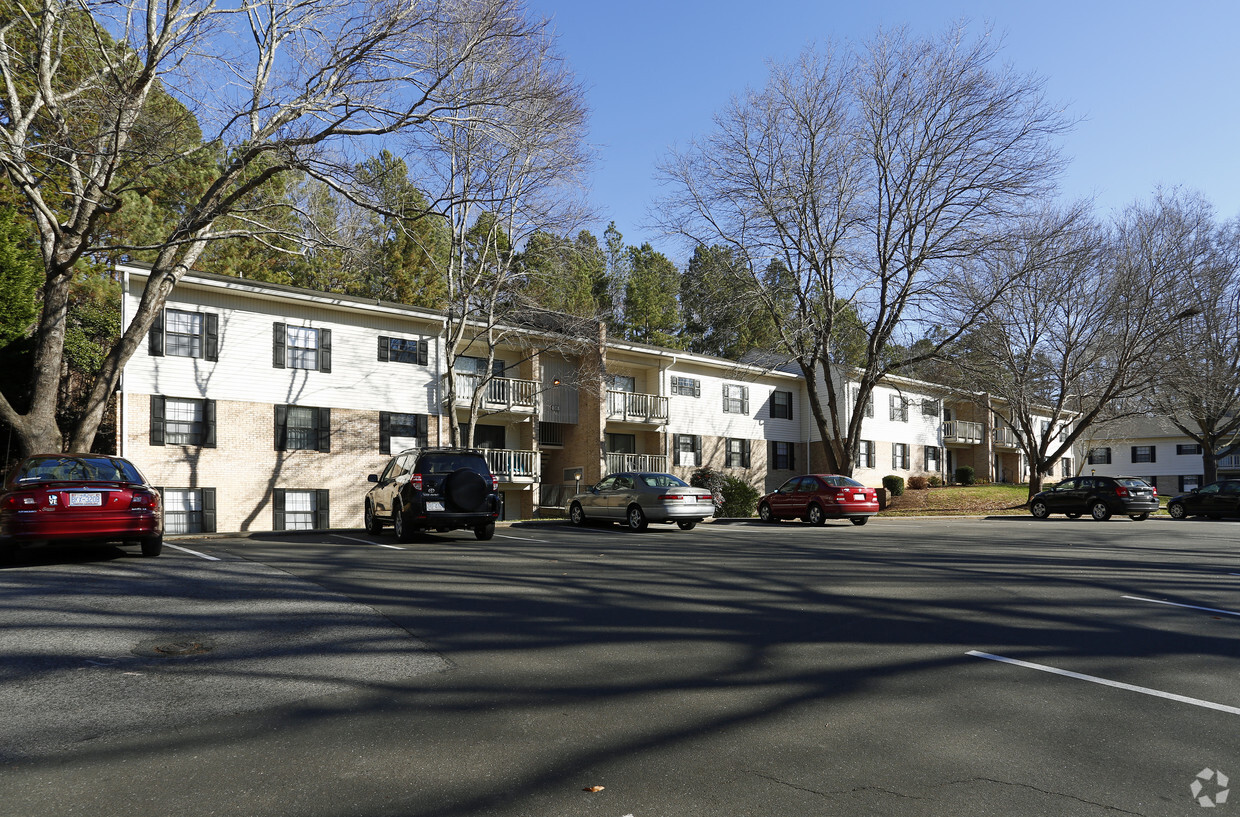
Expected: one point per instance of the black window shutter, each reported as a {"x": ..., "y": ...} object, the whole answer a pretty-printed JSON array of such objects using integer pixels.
[
  {"x": 744, "y": 400},
  {"x": 423, "y": 432},
  {"x": 1108, "y": 456},
  {"x": 1134, "y": 453},
  {"x": 325, "y": 350},
  {"x": 156, "y": 336},
  {"x": 385, "y": 432},
  {"x": 745, "y": 454},
  {"x": 325, "y": 430},
  {"x": 697, "y": 388},
  {"x": 789, "y": 405},
  {"x": 211, "y": 339},
  {"x": 385, "y": 349},
  {"x": 208, "y": 510},
  {"x": 792, "y": 456},
  {"x": 279, "y": 337},
  {"x": 281, "y": 427},
  {"x": 322, "y": 518},
  {"x": 1153, "y": 453},
  {"x": 208, "y": 424},
  {"x": 697, "y": 450},
  {"x": 157, "y": 419},
  {"x": 772, "y": 454},
  {"x": 424, "y": 352},
  {"x": 277, "y": 505},
  {"x": 675, "y": 449}
]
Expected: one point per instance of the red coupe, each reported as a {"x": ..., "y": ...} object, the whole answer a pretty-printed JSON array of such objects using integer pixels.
[{"x": 819, "y": 497}]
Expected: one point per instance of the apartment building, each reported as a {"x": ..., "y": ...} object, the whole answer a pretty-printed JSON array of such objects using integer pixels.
[
  {"x": 1153, "y": 449},
  {"x": 257, "y": 406}
]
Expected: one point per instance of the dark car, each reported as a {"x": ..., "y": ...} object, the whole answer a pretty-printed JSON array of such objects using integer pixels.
[
  {"x": 1100, "y": 497},
  {"x": 638, "y": 498},
  {"x": 819, "y": 497},
  {"x": 79, "y": 497},
  {"x": 434, "y": 488},
  {"x": 1216, "y": 500}
]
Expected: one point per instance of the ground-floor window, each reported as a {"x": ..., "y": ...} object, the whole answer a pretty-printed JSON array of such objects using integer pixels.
[
  {"x": 865, "y": 453},
  {"x": 783, "y": 456},
  {"x": 189, "y": 510},
  {"x": 932, "y": 458},
  {"x": 1189, "y": 482},
  {"x": 899, "y": 455},
  {"x": 301, "y": 509},
  {"x": 738, "y": 453}
]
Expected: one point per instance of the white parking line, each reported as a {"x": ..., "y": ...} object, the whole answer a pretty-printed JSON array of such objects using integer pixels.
[
  {"x": 1188, "y": 606},
  {"x": 192, "y": 552},
  {"x": 1093, "y": 679},
  {"x": 520, "y": 538},
  {"x": 366, "y": 541}
]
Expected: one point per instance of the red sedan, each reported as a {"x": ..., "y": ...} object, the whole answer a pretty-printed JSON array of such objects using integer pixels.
[
  {"x": 819, "y": 497},
  {"x": 79, "y": 497}
]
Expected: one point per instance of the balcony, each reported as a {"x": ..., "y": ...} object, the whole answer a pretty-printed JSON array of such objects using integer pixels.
[
  {"x": 513, "y": 466},
  {"x": 636, "y": 462},
  {"x": 1006, "y": 437},
  {"x": 963, "y": 432},
  {"x": 1230, "y": 463},
  {"x": 501, "y": 394},
  {"x": 629, "y": 407}
]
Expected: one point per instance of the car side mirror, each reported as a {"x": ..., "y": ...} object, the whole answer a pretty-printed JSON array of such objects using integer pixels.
[{"x": 372, "y": 478}]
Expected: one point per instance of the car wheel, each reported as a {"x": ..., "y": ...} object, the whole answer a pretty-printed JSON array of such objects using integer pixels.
[
  {"x": 1177, "y": 510},
  {"x": 1139, "y": 517},
  {"x": 1100, "y": 511},
  {"x": 764, "y": 513},
  {"x": 152, "y": 546},
  {"x": 577, "y": 514},
  {"x": 1073, "y": 515},
  {"x": 404, "y": 533},
  {"x": 686, "y": 525},
  {"x": 485, "y": 532},
  {"x": 814, "y": 515},
  {"x": 373, "y": 525},
  {"x": 1040, "y": 510},
  {"x": 859, "y": 520},
  {"x": 637, "y": 518}
]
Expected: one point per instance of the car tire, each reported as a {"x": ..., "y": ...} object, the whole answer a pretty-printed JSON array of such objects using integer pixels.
[
  {"x": 1039, "y": 509},
  {"x": 1177, "y": 510},
  {"x": 465, "y": 490},
  {"x": 1099, "y": 511},
  {"x": 485, "y": 532},
  {"x": 372, "y": 523},
  {"x": 577, "y": 515},
  {"x": 636, "y": 518},
  {"x": 764, "y": 513},
  {"x": 814, "y": 514},
  {"x": 152, "y": 546},
  {"x": 1139, "y": 517},
  {"x": 859, "y": 520},
  {"x": 686, "y": 525},
  {"x": 404, "y": 533}
]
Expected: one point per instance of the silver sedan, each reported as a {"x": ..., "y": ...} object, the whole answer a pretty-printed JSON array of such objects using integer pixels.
[{"x": 637, "y": 498}]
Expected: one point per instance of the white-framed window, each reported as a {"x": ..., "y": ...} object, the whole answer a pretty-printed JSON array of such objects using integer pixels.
[
  {"x": 400, "y": 431},
  {"x": 404, "y": 350},
  {"x": 869, "y": 402},
  {"x": 687, "y": 450},
  {"x": 781, "y": 405},
  {"x": 783, "y": 456},
  {"x": 1065, "y": 467},
  {"x": 182, "y": 421},
  {"x": 900, "y": 456},
  {"x": 303, "y": 428},
  {"x": 1144, "y": 453},
  {"x": 737, "y": 454},
  {"x": 1188, "y": 448},
  {"x": 930, "y": 408},
  {"x": 899, "y": 408},
  {"x": 686, "y": 386},
  {"x": 1099, "y": 456},
  {"x": 735, "y": 399},
  {"x": 1190, "y": 482},
  {"x": 303, "y": 347},
  {"x": 865, "y": 453},
  {"x": 300, "y": 508},
  {"x": 183, "y": 333},
  {"x": 932, "y": 457},
  {"x": 624, "y": 382},
  {"x": 183, "y": 510}
]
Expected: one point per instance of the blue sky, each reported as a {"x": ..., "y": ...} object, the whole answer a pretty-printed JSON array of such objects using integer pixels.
[{"x": 1158, "y": 84}]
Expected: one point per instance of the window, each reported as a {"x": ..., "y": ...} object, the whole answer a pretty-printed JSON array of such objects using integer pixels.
[
  {"x": 303, "y": 428},
  {"x": 932, "y": 458},
  {"x": 400, "y": 431},
  {"x": 1099, "y": 456},
  {"x": 489, "y": 436},
  {"x": 301, "y": 509},
  {"x": 869, "y": 402},
  {"x": 865, "y": 454},
  {"x": 1065, "y": 467},
  {"x": 687, "y": 386},
  {"x": 899, "y": 455},
  {"x": 899, "y": 408},
  {"x": 781, "y": 405},
  {"x": 178, "y": 421},
  {"x": 686, "y": 449},
  {"x": 783, "y": 456},
  {"x": 178, "y": 333},
  {"x": 622, "y": 443},
  {"x": 1191, "y": 448},
  {"x": 478, "y": 366},
  {"x": 1189, "y": 482},
  {"x": 735, "y": 399},
  {"x": 301, "y": 347},
  {"x": 625, "y": 383},
  {"x": 738, "y": 454},
  {"x": 189, "y": 510},
  {"x": 930, "y": 408},
  {"x": 404, "y": 350},
  {"x": 1143, "y": 453}
]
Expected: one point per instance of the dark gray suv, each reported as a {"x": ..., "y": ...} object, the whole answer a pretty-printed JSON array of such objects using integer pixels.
[{"x": 438, "y": 489}]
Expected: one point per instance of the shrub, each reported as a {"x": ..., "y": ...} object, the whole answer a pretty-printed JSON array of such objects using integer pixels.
[
  {"x": 894, "y": 485},
  {"x": 936, "y": 481},
  {"x": 918, "y": 483},
  {"x": 708, "y": 478},
  {"x": 964, "y": 475},
  {"x": 739, "y": 498}
]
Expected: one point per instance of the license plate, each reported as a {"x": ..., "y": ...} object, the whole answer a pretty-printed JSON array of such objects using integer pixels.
[
  {"x": 85, "y": 500},
  {"x": 859, "y": 497},
  {"x": 434, "y": 506}
]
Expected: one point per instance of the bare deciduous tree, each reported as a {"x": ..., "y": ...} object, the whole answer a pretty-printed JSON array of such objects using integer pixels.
[{"x": 873, "y": 176}]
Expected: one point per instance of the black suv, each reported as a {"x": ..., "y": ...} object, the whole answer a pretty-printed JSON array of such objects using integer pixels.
[
  {"x": 1097, "y": 496},
  {"x": 1218, "y": 499},
  {"x": 440, "y": 488}
]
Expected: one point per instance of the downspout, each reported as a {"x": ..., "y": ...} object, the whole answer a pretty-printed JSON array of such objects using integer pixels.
[
  {"x": 663, "y": 389},
  {"x": 121, "y": 393}
]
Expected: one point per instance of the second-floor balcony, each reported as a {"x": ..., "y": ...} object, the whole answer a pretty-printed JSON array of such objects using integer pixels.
[
  {"x": 498, "y": 393},
  {"x": 510, "y": 465},
  {"x": 1231, "y": 462},
  {"x": 963, "y": 431},
  {"x": 1006, "y": 437},
  {"x": 617, "y": 463},
  {"x": 630, "y": 407}
]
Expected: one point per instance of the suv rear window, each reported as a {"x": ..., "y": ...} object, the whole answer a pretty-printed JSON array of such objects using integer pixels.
[
  {"x": 1133, "y": 483},
  {"x": 439, "y": 463}
]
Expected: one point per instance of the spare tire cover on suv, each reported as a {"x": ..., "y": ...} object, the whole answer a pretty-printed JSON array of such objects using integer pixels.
[{"x": 466, "y": 491}]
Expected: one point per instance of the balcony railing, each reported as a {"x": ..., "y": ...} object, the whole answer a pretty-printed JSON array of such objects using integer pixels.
[
  {"x": 1006, "y": 437},
  {"x": 500, "y": 392},
  {"x": 513, "y": 466},
  {"x": 630, "y": 407},
  {"x": 636, "y": 462},
  {"x": 1230, "y": 462},
  {"x": 962, "y": 431}
]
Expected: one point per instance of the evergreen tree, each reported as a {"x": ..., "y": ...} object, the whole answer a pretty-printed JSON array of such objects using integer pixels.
[{"x": 651, "y": 310}]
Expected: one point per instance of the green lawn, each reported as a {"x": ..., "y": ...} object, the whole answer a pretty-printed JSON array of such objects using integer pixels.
[{"x": 959, "y": 499}]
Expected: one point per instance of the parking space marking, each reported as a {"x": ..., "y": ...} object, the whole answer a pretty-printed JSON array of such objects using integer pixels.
[
  {"x": 366, "y": 541},
  {"x": 1093, "y": 679},
  {"x": 1188, "y": 606},
  {"x": 520, "y": 538},
  {"x": 193, "y": 552}
]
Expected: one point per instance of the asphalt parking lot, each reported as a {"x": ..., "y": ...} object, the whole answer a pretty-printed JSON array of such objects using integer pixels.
[{"x": 1005, "y": 666}]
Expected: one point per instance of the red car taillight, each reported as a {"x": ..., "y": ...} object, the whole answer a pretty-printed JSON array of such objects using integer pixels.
[
  {"x": 1153, "y": 490},
  {"x": 1120, "y": 490},
  {"x": 672, "y": 497},
  {"x": 494, "y": 483},
  {"x": 143, "y": 501},
  {"x": 415, "y": 482}
]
